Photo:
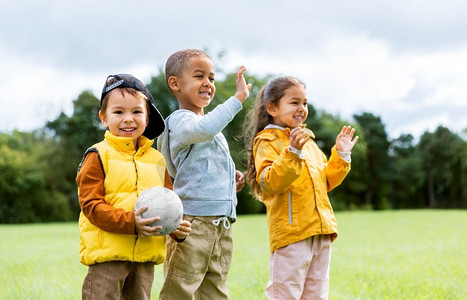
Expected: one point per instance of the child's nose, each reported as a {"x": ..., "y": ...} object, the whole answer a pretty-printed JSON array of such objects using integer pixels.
[
  {"x": 206, "y": 82},
  {"x": 127, "y": 118}
]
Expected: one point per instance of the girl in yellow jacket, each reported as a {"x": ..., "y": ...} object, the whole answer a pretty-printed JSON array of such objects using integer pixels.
[{"x": 291, "y": 176}]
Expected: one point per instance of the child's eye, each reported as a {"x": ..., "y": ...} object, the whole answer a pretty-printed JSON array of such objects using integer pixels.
[
  {"x": 117, "y": 112},
  {"x": 211, "y": 79}
]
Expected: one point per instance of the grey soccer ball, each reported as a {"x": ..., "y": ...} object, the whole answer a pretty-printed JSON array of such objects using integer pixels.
[{"x": 162, "y": 203}]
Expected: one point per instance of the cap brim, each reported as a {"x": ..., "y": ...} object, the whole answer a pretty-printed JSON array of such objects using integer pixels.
[{"x": 156, "y": 124}]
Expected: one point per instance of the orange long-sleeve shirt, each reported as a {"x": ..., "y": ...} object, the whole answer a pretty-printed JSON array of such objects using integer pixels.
[{"x": 90, "y": 180}]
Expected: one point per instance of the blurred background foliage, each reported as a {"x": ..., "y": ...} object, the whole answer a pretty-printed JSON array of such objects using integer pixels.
[{"x": 38, "y": 168}]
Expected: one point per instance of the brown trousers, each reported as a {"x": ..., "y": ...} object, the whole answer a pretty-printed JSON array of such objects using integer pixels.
[{"x": 119, "y": 280}]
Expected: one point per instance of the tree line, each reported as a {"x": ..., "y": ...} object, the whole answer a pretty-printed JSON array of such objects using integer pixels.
[{"x": 38, "y": 168}]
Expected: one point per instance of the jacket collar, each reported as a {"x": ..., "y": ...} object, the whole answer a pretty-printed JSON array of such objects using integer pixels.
[
  {"x": 287, "y": 130},
  {"x": 126, "y": 145}
]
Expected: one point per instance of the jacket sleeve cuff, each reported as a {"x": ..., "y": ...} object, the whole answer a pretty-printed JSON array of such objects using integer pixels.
[
  {"x": 337, "y": 159},
  {"x": 345, "y": 155},
  {"x": 297, "y": 152},
  {"x": 289, "y": 153}
]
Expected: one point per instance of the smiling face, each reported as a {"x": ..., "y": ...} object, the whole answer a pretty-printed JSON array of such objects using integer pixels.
[
  {"x": 292, "y": 109},
  {"x": 125, "y": 115},
  {"x": 195, "y": 88}
]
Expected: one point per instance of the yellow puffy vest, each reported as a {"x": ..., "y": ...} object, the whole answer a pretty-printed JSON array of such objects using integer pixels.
[{"x": 127, "y": 174}]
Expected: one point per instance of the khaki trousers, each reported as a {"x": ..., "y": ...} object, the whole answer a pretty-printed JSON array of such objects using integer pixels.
[
  {"x": 198, "y": 266},
  {"x": 300, "y": 270},
  {"x": 119, "y": 280}
]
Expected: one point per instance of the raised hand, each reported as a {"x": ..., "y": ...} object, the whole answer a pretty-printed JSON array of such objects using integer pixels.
[
  {"x": 344, "y": 142},
  {"x": 243, "y": 89}
]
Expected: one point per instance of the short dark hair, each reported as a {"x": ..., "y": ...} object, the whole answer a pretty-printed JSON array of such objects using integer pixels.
[{"x": 178, "y": 61}]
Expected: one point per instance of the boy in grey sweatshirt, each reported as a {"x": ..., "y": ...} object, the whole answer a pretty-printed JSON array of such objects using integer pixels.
[{"x": 198, "y": 158}]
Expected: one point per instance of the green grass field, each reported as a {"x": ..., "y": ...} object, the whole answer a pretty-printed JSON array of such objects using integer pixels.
[{"x": 419, "y": 254}]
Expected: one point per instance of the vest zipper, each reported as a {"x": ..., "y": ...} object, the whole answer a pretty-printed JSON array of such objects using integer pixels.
[
  {"x": 137, "y": 191},
  {"x": 136, "y": 172}
]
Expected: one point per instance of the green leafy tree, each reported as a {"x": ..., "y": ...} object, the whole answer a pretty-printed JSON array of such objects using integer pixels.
[
  {"x": 326, "y": 127},
  {"x": 407, "y": 175},
  {"x": 442, "y": 153},
  {"x": 458, "y": 186},
  {"x": 24, "y": 194},
  {"x": 72, "y": 136},
  {"x": 377, "y": 160}
]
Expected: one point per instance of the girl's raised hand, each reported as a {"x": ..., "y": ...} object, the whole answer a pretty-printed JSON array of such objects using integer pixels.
[
  {"x": 298, "y": 138},
  {"x": 344, "y": 142},
  {"x": 243, "y": 89}
]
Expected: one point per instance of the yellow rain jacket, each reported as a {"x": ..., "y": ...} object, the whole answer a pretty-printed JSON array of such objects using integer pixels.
[
  {"x": 294, "y": 189},
  {"x": 127, "y": 174}
]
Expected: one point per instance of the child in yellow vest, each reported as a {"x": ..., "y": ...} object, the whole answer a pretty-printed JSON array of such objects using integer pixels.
[
  {"x": 291, "y": 176},
  {"x": 116, "y": 243}
]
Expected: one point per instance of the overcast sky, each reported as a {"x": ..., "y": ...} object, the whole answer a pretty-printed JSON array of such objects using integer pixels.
[{"x": 405, "y": 61}]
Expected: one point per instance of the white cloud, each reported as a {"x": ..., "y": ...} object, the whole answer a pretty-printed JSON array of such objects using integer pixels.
[
  {"x": 34, "y": 92},
  {"x": 352, "y": 74},
  {"x": 403, "y": 61}
]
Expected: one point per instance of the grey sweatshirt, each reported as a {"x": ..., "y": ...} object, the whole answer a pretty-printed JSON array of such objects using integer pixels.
[{"x": 198, "y": 158}]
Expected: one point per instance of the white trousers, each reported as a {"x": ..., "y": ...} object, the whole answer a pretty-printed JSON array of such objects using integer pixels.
[{"x": 300, "y": 270}]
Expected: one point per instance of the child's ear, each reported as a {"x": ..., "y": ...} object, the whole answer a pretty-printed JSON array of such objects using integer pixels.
[
  {"x": 271, "y": 109},
  {"x": 103, "y": 119},
  {"x": 172, "y": 82}
]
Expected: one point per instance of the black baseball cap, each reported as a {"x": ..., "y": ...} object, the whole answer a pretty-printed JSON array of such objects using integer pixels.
[{"x": 156, "y": 123}]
